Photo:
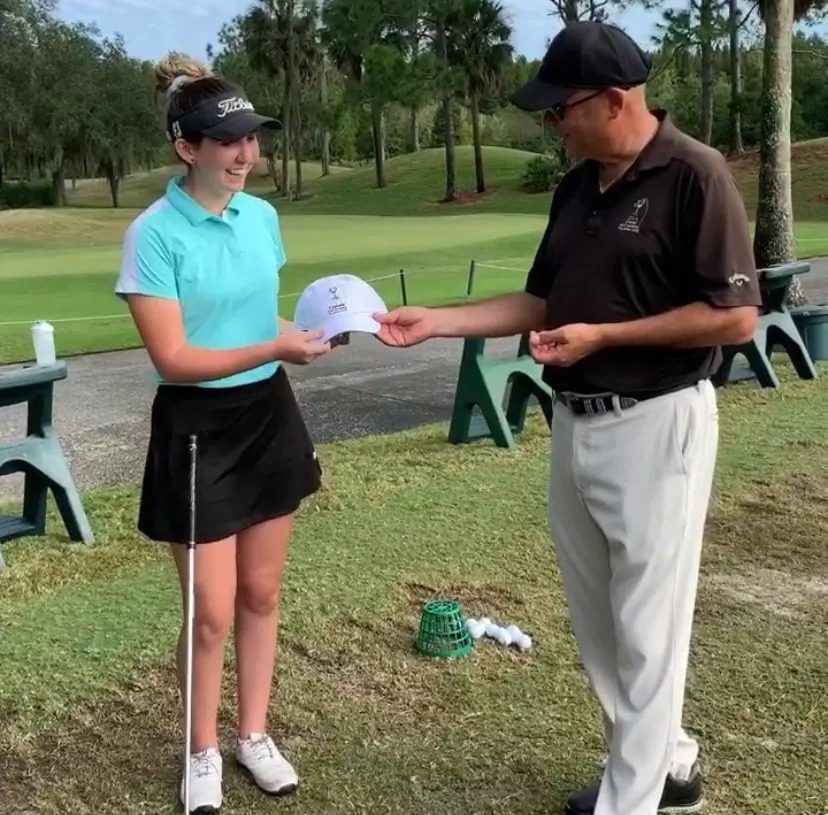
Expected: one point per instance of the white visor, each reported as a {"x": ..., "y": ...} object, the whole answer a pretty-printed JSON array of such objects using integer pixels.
[{"x": 337, "y": 305}]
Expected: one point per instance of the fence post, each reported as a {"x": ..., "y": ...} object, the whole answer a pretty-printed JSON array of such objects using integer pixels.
[
  {"x": 470, "y": 283},
  {"x": 402, "y": 287}
]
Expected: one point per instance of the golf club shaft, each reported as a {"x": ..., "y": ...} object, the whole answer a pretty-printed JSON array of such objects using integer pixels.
[{"x": 188, "y": 727}]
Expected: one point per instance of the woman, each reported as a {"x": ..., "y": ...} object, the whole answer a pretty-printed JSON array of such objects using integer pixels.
[{"x": 201, "y": 275}]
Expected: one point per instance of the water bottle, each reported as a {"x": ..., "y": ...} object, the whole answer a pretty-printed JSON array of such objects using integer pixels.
[{"x": 43, "y": 339}]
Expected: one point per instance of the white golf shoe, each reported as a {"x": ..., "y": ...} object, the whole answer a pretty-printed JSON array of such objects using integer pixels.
[
  {"x": 205, "y": 782},
  {"x": 271, "y": 771}
]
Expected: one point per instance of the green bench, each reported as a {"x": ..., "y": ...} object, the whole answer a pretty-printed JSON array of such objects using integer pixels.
[
  {"x": 38, "y": 455},
  {"x": 500, "y": 389},
  {"x": 776, "y": 327}
]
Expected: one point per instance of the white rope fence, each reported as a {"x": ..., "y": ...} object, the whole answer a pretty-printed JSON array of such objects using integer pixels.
[
  {"x": 122, "y": 315},
  {"x": 401, "y": 276}
]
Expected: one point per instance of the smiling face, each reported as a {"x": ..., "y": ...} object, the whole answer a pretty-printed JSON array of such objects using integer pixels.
[{"x": 217, "y": 168}]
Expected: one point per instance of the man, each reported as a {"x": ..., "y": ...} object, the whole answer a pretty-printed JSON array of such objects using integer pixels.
[{"x": 644, "y": 270}]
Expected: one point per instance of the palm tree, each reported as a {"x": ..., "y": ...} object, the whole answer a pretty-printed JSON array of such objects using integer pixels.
[
  {"x": 282, "y": 43},
  {"x": 358, "y": 35},
  {"x": 774, "y": 237},
  {"x": 437, "y": 15},
  {"x": 480, "y": 47}
]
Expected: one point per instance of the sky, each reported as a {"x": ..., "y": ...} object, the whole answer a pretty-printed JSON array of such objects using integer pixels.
[{"x": 152, "y": 27}]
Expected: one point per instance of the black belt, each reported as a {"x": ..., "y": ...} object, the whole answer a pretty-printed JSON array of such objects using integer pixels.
[{"x": 594, "y": 404}]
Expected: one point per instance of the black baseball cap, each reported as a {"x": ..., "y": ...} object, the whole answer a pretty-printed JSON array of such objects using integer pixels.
[
  {"x": 225, "y": 118},
  {"x": 585, "y": 55}
]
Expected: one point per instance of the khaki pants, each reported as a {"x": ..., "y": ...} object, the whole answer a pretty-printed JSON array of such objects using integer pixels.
[{"x": 629, "y": 492}]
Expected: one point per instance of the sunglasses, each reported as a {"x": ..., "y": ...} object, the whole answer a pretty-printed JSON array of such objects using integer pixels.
[{"x": 559, "y": 110}]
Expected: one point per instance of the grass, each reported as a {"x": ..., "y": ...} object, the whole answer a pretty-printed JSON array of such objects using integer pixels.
[
  {"x": 416, "y": 186},
  {"x": 809, "y": 179},
  {"x": 62, "y": 283},
  {"x": 86, "y": 636},
  {"x": 61, "y": 265},
  {"x": 137, "y": 190}
]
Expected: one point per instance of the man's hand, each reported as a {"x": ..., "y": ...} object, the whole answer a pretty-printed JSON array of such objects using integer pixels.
[
  {"x": 406, "y": 326},
  {"x": 564, "y": 346}
]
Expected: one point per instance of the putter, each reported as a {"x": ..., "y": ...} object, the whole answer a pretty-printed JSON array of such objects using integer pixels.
[{"x": 191, "y": 545}]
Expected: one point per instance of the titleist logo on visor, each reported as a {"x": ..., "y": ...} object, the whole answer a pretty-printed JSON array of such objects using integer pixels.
[
  {"x": 232, "y": 105},
  {"x": 209, "y": 114}
]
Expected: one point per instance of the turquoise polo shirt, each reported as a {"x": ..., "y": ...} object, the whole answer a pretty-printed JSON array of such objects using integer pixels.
[{"x": 223, "y": 270}]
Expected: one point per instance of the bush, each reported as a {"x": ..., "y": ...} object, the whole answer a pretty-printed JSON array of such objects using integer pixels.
[
  {"x": 19, "y": 194},
  {"x": 542, "y": 173}
]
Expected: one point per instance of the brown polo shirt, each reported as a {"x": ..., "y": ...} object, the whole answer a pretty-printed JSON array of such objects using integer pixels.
[{"x": 671, "y": 232}]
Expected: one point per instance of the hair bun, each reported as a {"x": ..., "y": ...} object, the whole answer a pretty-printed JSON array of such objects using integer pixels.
[{"x": 176, "y": 70}]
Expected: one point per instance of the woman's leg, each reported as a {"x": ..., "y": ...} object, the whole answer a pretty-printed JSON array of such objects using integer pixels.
[
  {"x": 260, "y": 559},
  {"x": 215, "y": 591}
]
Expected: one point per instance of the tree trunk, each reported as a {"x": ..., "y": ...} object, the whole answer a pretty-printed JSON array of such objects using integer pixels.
[
  {"x": 736, "y": 143},
  {"x": 415, "y": 131},
  {"x": 286, "y": 119},
  {"x": 297, "y": 142},
  {"x": 478, "y": 147},
  {"x": 448, "y": 112},
  {"x": 292, "y": 93},
  {"x": 58, "y": 180},
  {"x": 114, "y": 182},
  {"x": 326, "y": 133},
  {"x": 774, "y": 236},
  {"x": 451, "y": 168},
  {"x": 378, "y": 127},
  {"x": 272, "y": 169},
  {"x": 708, "y": 70}
]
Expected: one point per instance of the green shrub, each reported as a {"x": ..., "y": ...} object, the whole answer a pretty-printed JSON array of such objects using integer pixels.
[
  {"x": 542, "y": 173},
  {"x": 19, "y": 194}
]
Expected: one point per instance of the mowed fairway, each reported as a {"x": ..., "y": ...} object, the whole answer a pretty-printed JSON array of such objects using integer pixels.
[
  {"x": 61, "y": 265},
  {"x": 45, "y": 277}
]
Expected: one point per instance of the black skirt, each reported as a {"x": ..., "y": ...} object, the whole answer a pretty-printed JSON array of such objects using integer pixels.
[{"x": 255, "y": 459}]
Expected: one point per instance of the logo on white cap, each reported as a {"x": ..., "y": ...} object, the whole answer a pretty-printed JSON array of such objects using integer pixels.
[{"x": 338, "y": 304}]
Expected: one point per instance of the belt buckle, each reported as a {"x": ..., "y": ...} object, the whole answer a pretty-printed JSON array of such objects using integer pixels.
[{"x": 593, "y": 404}]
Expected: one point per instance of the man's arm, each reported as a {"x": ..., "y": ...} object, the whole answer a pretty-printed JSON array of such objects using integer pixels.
[
  {"x": 696, "y": 325},
  {"x": 503, "y": 316}
]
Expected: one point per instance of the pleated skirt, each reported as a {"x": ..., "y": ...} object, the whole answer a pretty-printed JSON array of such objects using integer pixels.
[{"x": 255, "y": 460}]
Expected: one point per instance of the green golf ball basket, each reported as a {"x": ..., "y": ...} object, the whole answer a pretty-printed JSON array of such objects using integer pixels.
[{"x": 443, "y": 633}]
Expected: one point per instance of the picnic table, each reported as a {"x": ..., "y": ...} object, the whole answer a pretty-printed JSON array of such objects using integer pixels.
[
  {"x": 38, "y": 455},
  {"x": 775, "y": 328}
]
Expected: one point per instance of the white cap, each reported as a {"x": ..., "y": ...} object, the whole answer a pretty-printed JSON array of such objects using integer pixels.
[{"x": 338, "y": 304}]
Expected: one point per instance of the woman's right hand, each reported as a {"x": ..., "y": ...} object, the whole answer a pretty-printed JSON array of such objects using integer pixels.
[{"x": 300, "y": 347}]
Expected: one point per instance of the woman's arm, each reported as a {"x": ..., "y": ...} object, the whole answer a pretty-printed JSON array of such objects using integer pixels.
[{"x": 161, "y": 327}]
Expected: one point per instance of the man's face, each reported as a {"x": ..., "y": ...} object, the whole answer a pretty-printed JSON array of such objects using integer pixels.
[{"x": 582, "y": 122}]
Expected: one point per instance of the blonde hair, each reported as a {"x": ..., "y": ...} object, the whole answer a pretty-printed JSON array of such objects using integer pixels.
[
  {"x": 177, "y": 70},
  {"x": 186, "y": 83}
]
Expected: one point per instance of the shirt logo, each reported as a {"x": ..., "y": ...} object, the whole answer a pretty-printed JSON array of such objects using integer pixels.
[
  {"x": 634, "y": 221},
  {"x": 232, "y": 105},
  {"x": 336, "y": 306},
  {"x": 738, "y": 279}
]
